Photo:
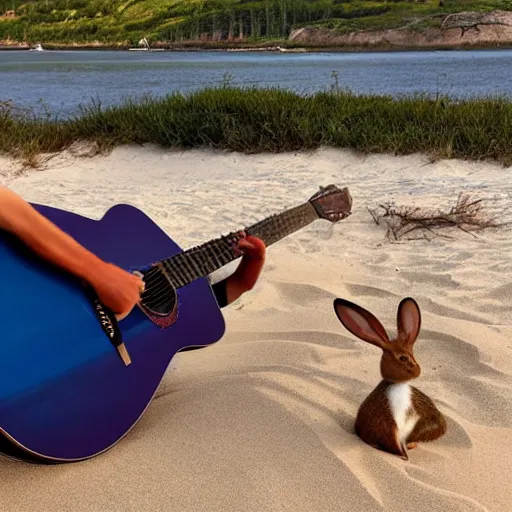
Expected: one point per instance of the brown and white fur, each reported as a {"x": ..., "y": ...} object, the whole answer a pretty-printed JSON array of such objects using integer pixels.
[{"x": 395, "y": 416}]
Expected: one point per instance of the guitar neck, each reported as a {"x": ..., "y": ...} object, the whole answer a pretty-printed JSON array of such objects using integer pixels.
[{"x": 202, "y": 260}]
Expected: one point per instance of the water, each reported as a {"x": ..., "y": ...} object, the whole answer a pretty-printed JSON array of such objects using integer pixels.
[{"x": 62, "y": 80}]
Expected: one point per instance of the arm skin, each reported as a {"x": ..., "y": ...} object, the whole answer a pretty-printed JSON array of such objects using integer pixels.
[
  {"x": 248, "y": 271},
  {"x": 117, "y": 289},
  {"x": 44, "y": 238}
]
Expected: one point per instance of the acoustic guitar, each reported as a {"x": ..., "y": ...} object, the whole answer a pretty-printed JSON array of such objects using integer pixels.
[{"x": 73, "y": 380}]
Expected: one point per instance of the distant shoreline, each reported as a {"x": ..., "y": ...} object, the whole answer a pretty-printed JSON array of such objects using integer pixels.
[{"x": 282, "y": 48}]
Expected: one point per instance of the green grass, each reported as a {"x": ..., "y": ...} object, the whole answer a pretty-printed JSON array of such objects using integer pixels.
[
  {"x": 126, "y": 21},
  {"x": 274, "y": 120}
]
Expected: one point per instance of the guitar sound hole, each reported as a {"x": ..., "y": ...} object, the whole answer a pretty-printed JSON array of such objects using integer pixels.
[{"x": 159, "y": 296}]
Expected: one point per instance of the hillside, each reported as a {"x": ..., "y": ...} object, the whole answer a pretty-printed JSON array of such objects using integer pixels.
[{"x": 125, "y": 22}]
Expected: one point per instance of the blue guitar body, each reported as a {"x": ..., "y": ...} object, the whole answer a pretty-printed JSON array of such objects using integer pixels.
[{"x": 65, "y": 394}]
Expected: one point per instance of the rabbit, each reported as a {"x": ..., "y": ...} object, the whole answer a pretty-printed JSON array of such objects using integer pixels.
[{"x": 395, "y": 416}]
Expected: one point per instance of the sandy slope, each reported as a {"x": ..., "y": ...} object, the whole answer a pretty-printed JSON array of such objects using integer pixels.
[{"x": 263, "y": 419}]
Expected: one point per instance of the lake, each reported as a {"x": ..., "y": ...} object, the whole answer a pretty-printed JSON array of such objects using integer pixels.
[{"x": 62, "y": 80}]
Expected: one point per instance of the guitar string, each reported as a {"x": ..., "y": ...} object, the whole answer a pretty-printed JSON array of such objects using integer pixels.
[{"x": 202, "y": 260}]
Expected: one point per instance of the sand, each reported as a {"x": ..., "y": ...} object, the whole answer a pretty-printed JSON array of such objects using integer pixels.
[{"x": 263, "y": 419}]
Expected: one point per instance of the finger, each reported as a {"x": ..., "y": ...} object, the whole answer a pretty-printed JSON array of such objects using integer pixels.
[
  {"x": 140, "y": 283},
  {"x": 121, "y": 316},
  {"x": 245, "y": 244},
  {"x": 255, "y": 241},
  {"x": 253, "y": 249},
  {"x": 124, "y": 314}
]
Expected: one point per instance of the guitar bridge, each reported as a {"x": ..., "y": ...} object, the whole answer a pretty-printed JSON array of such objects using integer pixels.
[{"x": 108, "y": 324}]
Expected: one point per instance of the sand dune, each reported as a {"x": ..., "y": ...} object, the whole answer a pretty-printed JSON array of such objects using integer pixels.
[{"x": 263, "y": 420}]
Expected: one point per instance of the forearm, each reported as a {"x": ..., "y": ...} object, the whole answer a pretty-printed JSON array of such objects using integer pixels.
[
  {"x": 44, "y": 238},
  {"x": 244, "y": 278}
]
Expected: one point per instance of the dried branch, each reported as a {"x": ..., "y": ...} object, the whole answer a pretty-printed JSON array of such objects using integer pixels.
[{"x": 467, "y": 215}]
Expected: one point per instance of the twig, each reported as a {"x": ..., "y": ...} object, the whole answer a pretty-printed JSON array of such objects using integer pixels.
[
  {"x": 467, "y": 215},
  {"x": 373, "y": 215}
]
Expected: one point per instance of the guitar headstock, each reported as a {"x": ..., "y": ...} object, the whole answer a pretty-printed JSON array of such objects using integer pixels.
[{"x": 332, "y": 203}]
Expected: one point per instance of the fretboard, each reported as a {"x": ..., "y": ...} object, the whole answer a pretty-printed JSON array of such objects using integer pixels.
[{"x": 202, "y": 260}]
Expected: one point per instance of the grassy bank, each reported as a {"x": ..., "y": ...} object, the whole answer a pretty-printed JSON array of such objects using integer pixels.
[{"x": 273, "y": 120}]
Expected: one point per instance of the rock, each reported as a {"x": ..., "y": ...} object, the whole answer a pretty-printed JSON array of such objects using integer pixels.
[
  {"x": 84, "y": 149},
  {"x": 459, "y": 29}
]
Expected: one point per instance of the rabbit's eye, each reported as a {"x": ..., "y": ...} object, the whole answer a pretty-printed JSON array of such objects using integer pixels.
[{"x": 403, "y": 358}]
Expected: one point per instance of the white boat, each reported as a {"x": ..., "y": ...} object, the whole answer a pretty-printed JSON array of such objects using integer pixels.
[
  {"x": 144, "y": 47},
  {"x": 292, "y": 50},
  {"x": 37, "y": 48}
]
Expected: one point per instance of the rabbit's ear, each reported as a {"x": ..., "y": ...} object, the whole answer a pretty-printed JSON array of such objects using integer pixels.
[
  {"x": 408, "y": 320},
  {"x": 361, "y": 323}
]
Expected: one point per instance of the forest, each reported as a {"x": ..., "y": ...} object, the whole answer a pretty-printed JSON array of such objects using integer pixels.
[{"x": 250, "y": 21}]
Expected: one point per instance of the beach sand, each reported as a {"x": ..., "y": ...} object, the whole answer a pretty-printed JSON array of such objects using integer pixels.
[{"x": 263, "y": 420}]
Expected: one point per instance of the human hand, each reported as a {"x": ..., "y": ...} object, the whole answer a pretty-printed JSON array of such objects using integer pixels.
[
  {"x": 117, "y": 289},
  {"x": 253, "y": 251},
  {"x": 252, "y": 248}
]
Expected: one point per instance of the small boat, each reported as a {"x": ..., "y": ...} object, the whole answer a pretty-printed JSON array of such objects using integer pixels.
[
  {"x": 37, "y": 48},
  {"x": 144, "y": 47},
  {"x": 291, "y": 50}
]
